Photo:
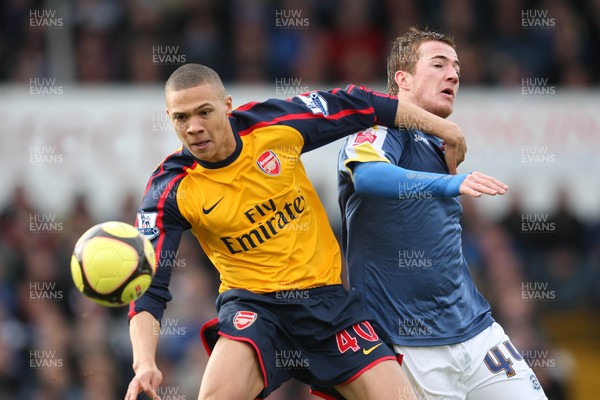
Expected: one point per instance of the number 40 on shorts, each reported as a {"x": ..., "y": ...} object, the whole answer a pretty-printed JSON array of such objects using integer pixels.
[
  {"x": 348, "y": 341},
  {"x": 497, "y": 362}
]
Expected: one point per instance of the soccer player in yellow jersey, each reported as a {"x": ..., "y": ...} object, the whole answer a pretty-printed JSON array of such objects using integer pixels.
[{"x": 238, "y": 183}]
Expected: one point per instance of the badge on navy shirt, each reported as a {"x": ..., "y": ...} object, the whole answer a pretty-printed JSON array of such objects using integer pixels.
[
  {"x": 315, "y": 102},
  {"x": 146, "y": 224}
]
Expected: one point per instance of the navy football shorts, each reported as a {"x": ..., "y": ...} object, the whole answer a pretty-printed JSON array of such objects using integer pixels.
[{"x": 320, "y": 336}]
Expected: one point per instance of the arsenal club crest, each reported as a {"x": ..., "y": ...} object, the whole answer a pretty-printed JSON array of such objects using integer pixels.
[
  {"x": 269, "y": 163},
  {"x": 244, "y": 319}
]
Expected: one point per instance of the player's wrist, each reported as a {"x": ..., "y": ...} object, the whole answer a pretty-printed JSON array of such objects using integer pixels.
[
  {"x": 453, "y": 184},
  {"x": 450, "y": 133},
  {"x": 144, "y": 365}
]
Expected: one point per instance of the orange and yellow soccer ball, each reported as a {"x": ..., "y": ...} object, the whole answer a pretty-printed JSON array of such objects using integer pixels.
[{"x": 113, "y": 264}]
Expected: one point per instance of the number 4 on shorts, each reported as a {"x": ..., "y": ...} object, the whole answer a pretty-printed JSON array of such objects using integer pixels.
[{"x": 497, "y": 362}]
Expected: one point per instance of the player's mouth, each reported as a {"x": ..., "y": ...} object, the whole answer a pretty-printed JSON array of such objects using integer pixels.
[
  {"x": 448, "y": 93},
  {"x": 200, "y": 145}
]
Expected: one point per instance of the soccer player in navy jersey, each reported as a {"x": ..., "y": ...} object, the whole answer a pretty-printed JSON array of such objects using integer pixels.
[
  {"x": 238, "y": 184},
  {"x": 402, "y": 240}
]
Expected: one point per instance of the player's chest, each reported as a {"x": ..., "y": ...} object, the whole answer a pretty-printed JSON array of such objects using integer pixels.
[
  {"x": 265, "y": 180},
  {"x": 422, "y": 154}
]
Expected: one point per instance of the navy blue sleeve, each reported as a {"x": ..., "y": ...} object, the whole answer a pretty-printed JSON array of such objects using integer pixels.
[
  {"x": 381, "y": 179},
  {"x": 321, "y": 117},
  {"x": 160, "y": 221}
]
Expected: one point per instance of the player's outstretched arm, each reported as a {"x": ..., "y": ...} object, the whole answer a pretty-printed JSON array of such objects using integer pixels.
[
  {"x": 143, "y": 342},
  {"x": 411, "y": 116},
  {"x": 382, "y": 179}
]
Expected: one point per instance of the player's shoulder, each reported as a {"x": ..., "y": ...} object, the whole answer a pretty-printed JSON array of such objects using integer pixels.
[
  {"x": 374, "y": 135},
  {"x": 168, "y": 174},
  {"x": 175, "y": 163},
  {"x": 251, "y": 116}
]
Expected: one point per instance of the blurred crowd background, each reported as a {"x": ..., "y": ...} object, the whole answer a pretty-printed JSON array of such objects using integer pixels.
[
  {"x": 110, "y": 41},
  {"x": 544, "y": 286}
]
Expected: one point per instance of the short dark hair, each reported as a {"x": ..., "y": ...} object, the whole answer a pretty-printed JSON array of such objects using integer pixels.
[
  {"x": 191, "y": 75},
  {"x": 405, "y": 52}
]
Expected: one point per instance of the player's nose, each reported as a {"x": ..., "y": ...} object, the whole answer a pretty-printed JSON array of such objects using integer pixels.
[
  {"x": 195, "y": 125},
  {"x": 452, "y": 75}
]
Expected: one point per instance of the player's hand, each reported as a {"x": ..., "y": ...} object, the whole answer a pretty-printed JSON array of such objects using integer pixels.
[
  {"x": 146, "y": 380},
  {"x": 476, "y": 184},
  {"x": 455, "y": 148}
]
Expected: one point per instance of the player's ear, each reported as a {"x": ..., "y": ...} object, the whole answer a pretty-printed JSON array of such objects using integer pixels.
[
  {"x": 403, "y": 80},
  {"x": 228, "y": 104}
]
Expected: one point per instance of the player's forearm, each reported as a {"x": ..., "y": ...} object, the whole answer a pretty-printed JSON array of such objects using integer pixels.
[
  {"x": 143, "y": 329},
  {"x": 409, "y": 115},
  {"x": 381, "y": 179}
]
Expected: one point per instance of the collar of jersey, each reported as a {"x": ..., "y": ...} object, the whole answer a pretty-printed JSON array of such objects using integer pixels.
[{"x": 223, "y": 163}]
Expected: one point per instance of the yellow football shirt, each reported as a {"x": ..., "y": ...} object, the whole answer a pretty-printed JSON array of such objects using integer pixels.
[{"x": 256, "y": 214}]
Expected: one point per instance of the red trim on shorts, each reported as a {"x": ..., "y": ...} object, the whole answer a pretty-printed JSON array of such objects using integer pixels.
[
  {"x": 366, "y": 368},
  {"x": 132, "y": 311},
  {"x": 258, "y": 354},
  {"x": 208, "y": 324},
  {"x": 322, "y": 395},
  {"x": 400, "y": 358}
]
